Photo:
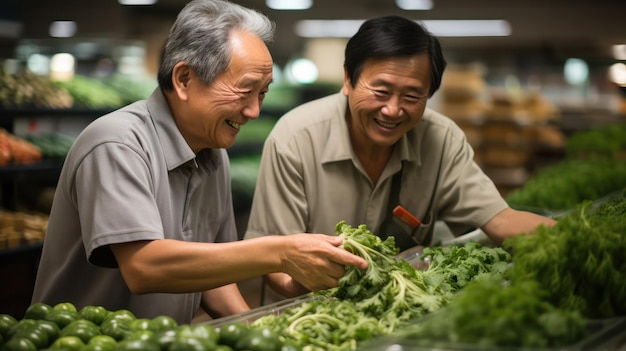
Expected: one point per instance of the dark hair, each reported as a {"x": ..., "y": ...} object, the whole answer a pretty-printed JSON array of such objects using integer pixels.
[
  {"x": 393, "y": 36},
  {"x": 200, "y": 37}
]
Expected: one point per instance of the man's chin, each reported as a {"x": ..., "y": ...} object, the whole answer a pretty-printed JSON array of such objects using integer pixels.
[{"x": 228, "y": 145}]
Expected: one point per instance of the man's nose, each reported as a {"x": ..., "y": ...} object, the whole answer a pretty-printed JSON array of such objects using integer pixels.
[
  {"x": 252, "y": 110},
  {"x": 392, "y": 108}
]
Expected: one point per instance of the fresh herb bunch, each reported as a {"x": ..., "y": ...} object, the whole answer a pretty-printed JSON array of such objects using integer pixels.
[
  {"x": 390, "y": 288},
  {"x": 380, "y": 256},
  {"x": 385, "y": 297},
  {"x": 451, "y": 267},
  {"x": 564, "y": 185},
  {"x": 609, "y": 141},
  {"x": 366, "y": 303},
  {"x": 580, "y": 261},
  {"x": 323, "y": 324},
  {"x": 489, "y": 312}
]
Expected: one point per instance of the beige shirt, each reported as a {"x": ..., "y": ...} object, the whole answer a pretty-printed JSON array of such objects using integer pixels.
[{"x": 310, "y": 178}]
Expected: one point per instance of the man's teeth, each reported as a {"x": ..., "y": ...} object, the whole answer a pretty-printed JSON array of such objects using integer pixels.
[
  {"x": 233, "y": 124},
  {"x": 387, "y": 125}
]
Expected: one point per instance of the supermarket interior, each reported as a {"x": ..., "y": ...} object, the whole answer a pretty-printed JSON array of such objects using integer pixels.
[{"x": 538, "y": 88}]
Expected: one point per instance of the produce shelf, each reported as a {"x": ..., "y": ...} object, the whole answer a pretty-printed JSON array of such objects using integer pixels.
[
  {"x": 602, "y": 333},
  {"x": 32, "y": 169}
]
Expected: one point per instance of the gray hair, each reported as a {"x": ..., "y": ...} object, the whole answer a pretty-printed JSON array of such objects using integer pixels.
[{"x": 200, "y": 37}]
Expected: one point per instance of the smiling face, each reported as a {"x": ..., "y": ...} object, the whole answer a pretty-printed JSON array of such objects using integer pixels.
[
  {"x": 210, "y": 116},
  {"x": 388, "y": 100}
]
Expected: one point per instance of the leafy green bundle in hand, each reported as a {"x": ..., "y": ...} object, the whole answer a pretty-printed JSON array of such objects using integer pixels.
[{"x": 390, "y": 288}]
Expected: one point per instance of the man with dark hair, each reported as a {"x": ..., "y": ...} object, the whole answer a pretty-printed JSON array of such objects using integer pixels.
[{"x": 357, "y": 154}]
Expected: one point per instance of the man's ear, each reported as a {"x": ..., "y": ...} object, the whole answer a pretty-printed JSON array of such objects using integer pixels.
[
  {"x": 346, "y": 82},
  {"x": 181, "y": 78}
]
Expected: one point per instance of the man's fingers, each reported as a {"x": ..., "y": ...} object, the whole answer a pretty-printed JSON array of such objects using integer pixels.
[
  {"x": 349, "y": 259},
  {"x": 332, "y": 239},
  {"x": 342, "y": 256}
]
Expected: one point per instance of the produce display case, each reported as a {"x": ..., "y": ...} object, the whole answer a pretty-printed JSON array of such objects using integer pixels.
[
  {"x": 603, "y": 334},
  {"x": 275, "y": 308}
]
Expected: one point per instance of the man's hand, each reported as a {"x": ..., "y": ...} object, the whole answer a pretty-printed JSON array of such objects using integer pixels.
[{"x": 316, "y": 262}]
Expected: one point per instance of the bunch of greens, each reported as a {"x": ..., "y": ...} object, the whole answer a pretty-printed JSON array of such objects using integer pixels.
[
  {"x": 490, "y": 313},
  {"x": 323, "y": 324},
  {"x": 564, "y": 185},
  {"x": 366, "y": 304},
  {"x": 606, "y": 141},
  {"x": 390, "y": 289},
  {"x": 451, "y": 267},
  {"x": 581, "y": 261},
  {"x": 386, "y": 296}
]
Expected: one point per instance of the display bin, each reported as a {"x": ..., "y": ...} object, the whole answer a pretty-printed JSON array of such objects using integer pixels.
[
  {"x": 603, "y": 335},
  {"x": 275, "y": 308}
]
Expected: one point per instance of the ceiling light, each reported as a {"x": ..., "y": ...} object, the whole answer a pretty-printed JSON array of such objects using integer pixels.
[
  {"x": 440, "y": 28},
  {"x": 136, "y": 2},
  {"x": 289, "y": 4},
  {"x": 617, "y": 74},
  {"x": 62, "y": 66},
  {"x": 38, "y": 64},
  {"x": 619, "y": 52},
  {"x": 302, "y": 71},
  {"x": 414, "y": 4},
  {"x": 468, "y": 28},
  {"x": 327, "y": 28},
  {"x": 576, "y": 71},
  {"x": 62, "y": 29}
]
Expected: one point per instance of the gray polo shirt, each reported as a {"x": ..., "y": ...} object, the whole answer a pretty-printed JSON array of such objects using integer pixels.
[
  {"x": 131, "y": 176},
  {"x": 310, "y": 178}
]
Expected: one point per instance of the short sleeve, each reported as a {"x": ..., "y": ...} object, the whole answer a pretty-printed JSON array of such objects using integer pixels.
[
  {"x": 469, "y": 197},
  {"x": 279, "y": 204},
  {"x": 115, "y": 193}
]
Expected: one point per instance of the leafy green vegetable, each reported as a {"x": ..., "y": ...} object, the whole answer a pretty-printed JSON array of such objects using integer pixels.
[
  {"x": 89, "y": 92},
  {"x": 452, "y": 267},
  {"x": 383, "y": 298},
  {"x": 564, "y": 185},
  {"x": 324, "y": 324},
  {"x": 581, "y": 261},
  {"x": 490, "y": 313},
  {"x": 609, "y": 141},
  {"x": 390, "y": 289}
]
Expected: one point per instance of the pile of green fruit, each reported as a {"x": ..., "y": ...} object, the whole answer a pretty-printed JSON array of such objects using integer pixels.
[{"x": 94, "y": 328}]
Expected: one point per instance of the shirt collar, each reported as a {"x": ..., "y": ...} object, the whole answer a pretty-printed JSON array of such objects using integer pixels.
[
  {"x": 342, "y": 149},
  {"x": 339, "y": 149}
]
